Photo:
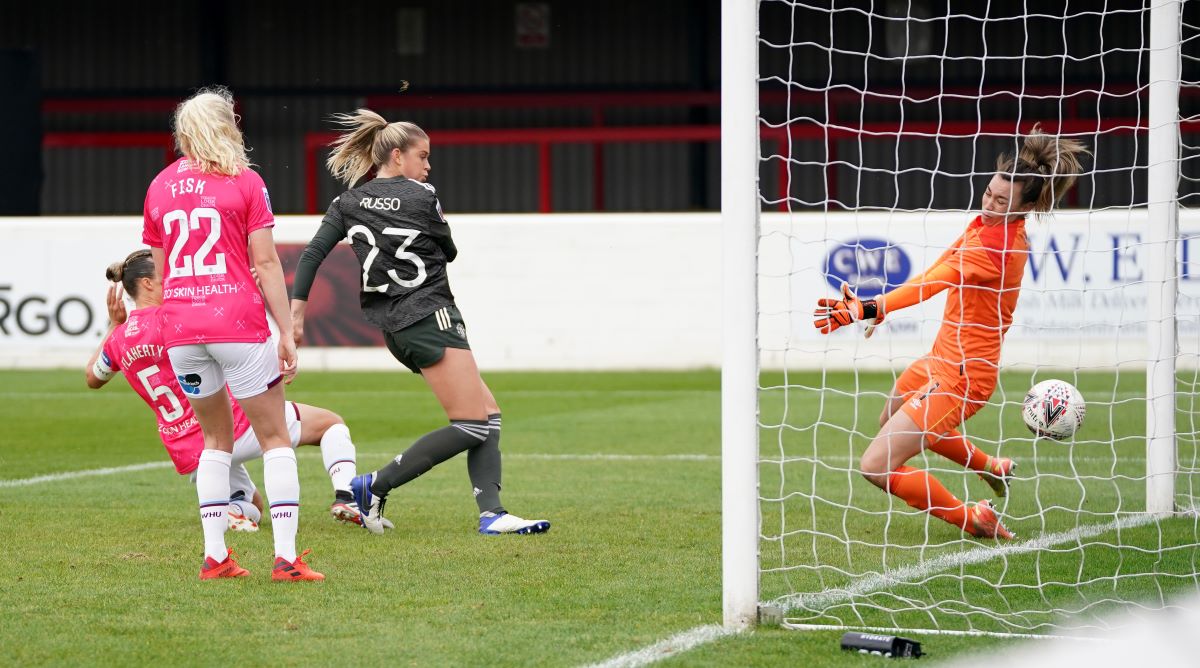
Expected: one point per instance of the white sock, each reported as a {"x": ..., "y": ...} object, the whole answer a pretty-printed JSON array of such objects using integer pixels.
[
  {"x": 283, "y": 493},
  {"x": 337, "y": 450},
  {"x": 248, "y": 509},
  {"x": 212, "y": 489}
]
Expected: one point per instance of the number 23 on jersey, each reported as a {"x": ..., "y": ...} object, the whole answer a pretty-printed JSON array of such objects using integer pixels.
[{"x": 401, "y": 254}]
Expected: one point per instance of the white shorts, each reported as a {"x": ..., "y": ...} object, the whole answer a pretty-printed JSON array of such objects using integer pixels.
[
  {"x": 247, "y": 447},
  {"x": 204, "y": 368}
]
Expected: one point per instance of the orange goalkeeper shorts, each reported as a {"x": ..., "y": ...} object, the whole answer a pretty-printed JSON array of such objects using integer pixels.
[{"x": 939, "y": 396}]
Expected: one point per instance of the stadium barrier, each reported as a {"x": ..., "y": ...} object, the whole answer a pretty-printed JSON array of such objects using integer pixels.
[{"x": 641, "y": 291}]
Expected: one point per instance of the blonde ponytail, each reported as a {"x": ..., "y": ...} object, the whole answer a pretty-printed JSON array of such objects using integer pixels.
[
  {"x": 207, "y": 134},
  {"x": 1046, "y": 167},
  {"x": 367, "y": 144}
]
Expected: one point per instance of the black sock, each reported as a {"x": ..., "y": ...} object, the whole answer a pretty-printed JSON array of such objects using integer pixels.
[
  {"x": 483, "y": 465},
  {"x": 429, "y": 451}
]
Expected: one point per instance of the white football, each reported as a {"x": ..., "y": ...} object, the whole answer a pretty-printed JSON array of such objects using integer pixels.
[{"x": 1054, "y": 409}]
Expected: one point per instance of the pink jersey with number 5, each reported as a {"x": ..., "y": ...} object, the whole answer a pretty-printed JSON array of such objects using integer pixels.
[
  {"x": 202, "y": 223},
  {"x": 136, "y": 349}
]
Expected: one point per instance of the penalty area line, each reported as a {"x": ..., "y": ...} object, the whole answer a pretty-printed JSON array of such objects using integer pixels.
[{"x": 665, "y": 649}]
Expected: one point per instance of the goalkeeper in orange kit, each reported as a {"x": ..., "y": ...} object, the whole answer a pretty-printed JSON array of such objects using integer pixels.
[{"x": 982, "y": 273}]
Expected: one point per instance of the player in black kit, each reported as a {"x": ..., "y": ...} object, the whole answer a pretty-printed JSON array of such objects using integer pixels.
[{"x": 396, "y": 227}]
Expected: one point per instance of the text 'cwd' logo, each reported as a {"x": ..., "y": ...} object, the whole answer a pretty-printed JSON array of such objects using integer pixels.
[{"x": 870, "y": 266}]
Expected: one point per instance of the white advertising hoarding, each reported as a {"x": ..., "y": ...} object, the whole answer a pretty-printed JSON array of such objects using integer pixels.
[
  {"x": 641, "y": 291},
  {"x": 1082, "y": 303}
]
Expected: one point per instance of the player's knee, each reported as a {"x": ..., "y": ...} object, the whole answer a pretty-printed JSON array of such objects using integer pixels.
[
  {"x": 319, "y": 420},
  {"x": 874, "y": 469},
  {"x": 331, "y": 419}
]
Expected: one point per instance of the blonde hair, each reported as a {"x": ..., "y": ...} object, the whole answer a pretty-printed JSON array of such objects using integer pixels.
[
  {"x": 1046, "y": 167},
  {"x": 207, "y": 133},
  {"x": 368, "y": 143}
]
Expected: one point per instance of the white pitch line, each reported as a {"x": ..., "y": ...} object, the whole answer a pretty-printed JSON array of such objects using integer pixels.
[
  {"x": 566, "y": 456},
  {"x": 872, "y": 582},
  {"x": 68, "y": 475},
  {"x": 665, "y": 649},
  {"x": 615, "y": 457},
  {"x": 85, "y": 473}
]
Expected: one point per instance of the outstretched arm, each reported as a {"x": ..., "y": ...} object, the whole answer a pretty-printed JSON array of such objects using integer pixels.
[
  {"x": 937, "y": 278},
  {"x": 832, "y": 314}
]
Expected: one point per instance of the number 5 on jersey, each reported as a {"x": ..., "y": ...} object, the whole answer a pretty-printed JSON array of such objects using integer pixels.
[
  {"x": 157, "y": 392},
  {"x": 194, "y": 265}
]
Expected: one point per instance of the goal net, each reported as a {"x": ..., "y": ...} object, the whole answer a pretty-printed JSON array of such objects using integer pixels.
[{"x": 879, "y": 125}]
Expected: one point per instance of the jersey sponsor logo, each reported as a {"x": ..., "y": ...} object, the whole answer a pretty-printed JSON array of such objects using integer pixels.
[
  {"x": 202, "y": 291},
  {"x": 267, "y": 199},
  {"x": 870, "y": 266},
  {"x": 184, "y": 166},
  {"x": 380, "y": 203},
  {"x": 171, "y": 431},
  {"x": 131, "y": 326},
  {"x": 208, "y": 201},
  {"x": 190, "y": 383}
]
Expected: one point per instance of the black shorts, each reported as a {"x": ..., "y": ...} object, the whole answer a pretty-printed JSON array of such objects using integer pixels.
[{"x": 424, "y": 343}]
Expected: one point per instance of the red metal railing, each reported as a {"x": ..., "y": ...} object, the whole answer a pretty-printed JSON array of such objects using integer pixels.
[
  {"x": 598, "y": 134},
  {"x": 542, "y": 138},
  {"x": 163, "y": 140}
]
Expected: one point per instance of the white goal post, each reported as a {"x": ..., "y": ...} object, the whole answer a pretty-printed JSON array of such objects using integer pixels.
[
  {"x": 739, "y": 311},
  {"x": 1090, "y": 542}
]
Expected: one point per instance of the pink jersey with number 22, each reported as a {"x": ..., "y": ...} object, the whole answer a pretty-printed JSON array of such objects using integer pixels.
[{"x": 202, "y": 223}]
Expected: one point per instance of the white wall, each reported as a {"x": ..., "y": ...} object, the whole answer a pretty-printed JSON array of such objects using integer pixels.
[{"x": 642, "y": 291}]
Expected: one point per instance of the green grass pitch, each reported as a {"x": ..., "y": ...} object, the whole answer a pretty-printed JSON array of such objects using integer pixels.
[{"x": 102, "y": 569}]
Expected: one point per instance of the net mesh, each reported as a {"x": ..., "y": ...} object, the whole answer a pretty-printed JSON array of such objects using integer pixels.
[{"x": 880, "y": 123}]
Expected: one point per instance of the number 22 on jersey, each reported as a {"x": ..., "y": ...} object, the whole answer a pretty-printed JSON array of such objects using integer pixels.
[{"x": 195, "y": 264}]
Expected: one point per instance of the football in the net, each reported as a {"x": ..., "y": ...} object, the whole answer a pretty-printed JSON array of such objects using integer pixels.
[{"x": 1054, "y": 409}]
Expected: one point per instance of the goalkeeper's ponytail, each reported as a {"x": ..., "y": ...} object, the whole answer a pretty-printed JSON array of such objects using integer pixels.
[
  {"x": 368, "y": 144},
  {"x": 1046, "y": 167}
]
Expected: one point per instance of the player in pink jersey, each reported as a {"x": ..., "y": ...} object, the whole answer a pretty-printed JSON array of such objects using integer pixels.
[
  {"x": 134, "y": 346},
  {"x": 207, "y": 220}
]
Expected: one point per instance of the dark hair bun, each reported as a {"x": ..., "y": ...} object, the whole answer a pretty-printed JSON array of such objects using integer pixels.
[{"x": 115, "y": 272}]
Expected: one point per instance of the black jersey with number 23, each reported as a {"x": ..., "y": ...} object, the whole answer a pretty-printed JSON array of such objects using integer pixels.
[{"x": 403, "y": 243}]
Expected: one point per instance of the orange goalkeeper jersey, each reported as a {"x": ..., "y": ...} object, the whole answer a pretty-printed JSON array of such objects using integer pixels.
[{"x": 982, "y": 272}]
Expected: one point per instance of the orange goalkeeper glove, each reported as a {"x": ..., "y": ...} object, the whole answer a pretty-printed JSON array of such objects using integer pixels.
[{"x": 834, "y": 313}]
